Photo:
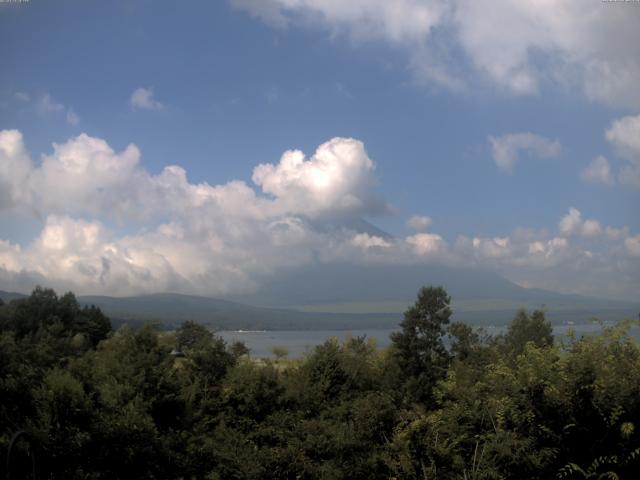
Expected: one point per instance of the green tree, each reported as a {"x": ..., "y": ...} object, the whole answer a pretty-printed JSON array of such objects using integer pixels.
[
  {"x": 526, "y": 328},
  {"x": 280, "y": 351},
  {"x": 45, "y": 315},
  {"x": 192, "y": 335},
  {"x": 463, "y": 340},
  {"x": 419, "y": 348}
]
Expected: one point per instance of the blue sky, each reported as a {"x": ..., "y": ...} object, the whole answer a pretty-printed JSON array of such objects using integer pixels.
[{"x": 231, "y": 85}]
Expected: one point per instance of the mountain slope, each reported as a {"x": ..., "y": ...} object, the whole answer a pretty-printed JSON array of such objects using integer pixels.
[
  {"x": 335, "y": 283},
  {"x": 351, "y": 297}
]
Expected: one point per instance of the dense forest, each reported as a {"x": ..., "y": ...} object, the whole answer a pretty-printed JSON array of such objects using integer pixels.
[{"x": 79, "y": 400}]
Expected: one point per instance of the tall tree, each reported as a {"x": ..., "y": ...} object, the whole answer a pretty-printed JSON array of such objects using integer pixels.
[
  {"x": 526, "y": 328},
  {"x": 419, "y": 348}
]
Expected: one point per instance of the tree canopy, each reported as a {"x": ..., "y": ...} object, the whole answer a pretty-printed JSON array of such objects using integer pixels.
[{"x": 444, "y": 401}]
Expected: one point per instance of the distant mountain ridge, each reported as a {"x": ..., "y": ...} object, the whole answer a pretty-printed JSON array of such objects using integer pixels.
[
  {"x": 332, "y": 283},
  {"x": 171, "y": 309},
  {"x": 351, "y": 297}
]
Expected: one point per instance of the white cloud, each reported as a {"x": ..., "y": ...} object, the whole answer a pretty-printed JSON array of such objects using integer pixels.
[
  {"x": 84, "y": 175},
  {"x": 591, "y": 228},
  {"x": 217, "y": 239},
  {"x": 516, "y": 253},
  {"x": 630, "y": 176},
  {"x": 211, "y": 239},
  {"x": 403, "y": 21},
  {"x": 592, "y": 265},
  {"x": 591, "y": 46},
  {"x": 268, "y": 12},
  {"x": 72, "y": 118},
  {"x": 425, "y": 244},
  {"x": 364, "y": 240},
  {"x": 492, "y": 247},
  {"x": 616, "y": 233},
  {"x": 572, "y": 223},
  {"x": 633, "y": 245},
  {"x": 47, "y": 104},
  {"x": 338, "y": 177},
  {"x": 419, "y": 223},
  {"x": 598, "y": 172},
  {"x": 15, "y": 168},
  {"x": 142, "y": 98},
  {"x": 506, "y": 149},
  {"x": 624, "y": 135}
]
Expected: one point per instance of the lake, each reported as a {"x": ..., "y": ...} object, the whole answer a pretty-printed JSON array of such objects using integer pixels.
[{"x": 299, "y": 341}]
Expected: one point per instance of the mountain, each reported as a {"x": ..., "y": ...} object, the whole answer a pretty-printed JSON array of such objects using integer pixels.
[
  {"x": 6, "y": 297},
  {"x": 479, "y": 296},
  {"x": 171, "y": 309},
  {"x": 334, "y": 283},
  {"x": 342, "y": 296}
]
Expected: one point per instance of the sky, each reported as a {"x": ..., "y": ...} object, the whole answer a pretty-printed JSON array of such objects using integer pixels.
[{"x": 201, "y": 147}]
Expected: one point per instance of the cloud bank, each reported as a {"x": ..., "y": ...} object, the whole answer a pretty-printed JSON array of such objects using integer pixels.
[
  {"x": 507, "y": 149},
  {"x": 109, "y": 226},
  {"x": 143, "y": 99},
  {"x": 517, "y": 46},
  {"x": 624, "y": 137}
]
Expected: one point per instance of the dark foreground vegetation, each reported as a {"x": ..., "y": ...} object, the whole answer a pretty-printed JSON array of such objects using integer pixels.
[{"x": 78, "y": 400}]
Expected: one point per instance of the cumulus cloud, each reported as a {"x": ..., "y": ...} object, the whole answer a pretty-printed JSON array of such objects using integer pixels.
[
  {"x": 419, "y": 222},
  {"x": 598, "y": 172},
  {"x": 573, "y": 44},
  {"x": 143, "y": 98},
  {"x": 15, "y": 168},
  {"x": 85, "y": 175},
  {"x": 338, "y": 177},
  {"x": 218, "y": 239},
  {"x": 506, "y": 149},
  {"x": 591, "y": 228},
  {"x": 572, "y": 223},
  {"x": 425, "y": 244},
  {"x": 210, "y": 239},
  {"x": 364, "y": 240},
  {"x": 589, "y": 263},
  {"x": 633, "y": 245},
  {"x": 268, "y": 12},
  {"x": 72, "y": 118},
  {"x": 511, "y": 255},
  {"x": 47, "y": 105},
  {"x": 403, "y": 22},
  {"x": 617, "y": 233},
  {"x": 624, "y": 135}
]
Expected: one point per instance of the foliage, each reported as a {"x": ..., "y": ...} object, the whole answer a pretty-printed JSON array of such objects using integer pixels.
[
  {"x": 419, "y": 348},
  {"x": 526, "y": 328},
  {"x": 445, "y": 401}
]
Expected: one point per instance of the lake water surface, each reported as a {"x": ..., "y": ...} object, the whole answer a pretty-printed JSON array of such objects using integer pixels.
[{"x": 300, "y": 341}]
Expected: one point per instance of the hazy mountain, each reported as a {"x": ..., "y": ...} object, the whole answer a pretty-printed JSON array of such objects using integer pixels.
[
  {"x": 479, "y": 296},
  {"x": 8, "y": 296},
  {"x": 336, "y": 283},
  {"x": 172, "y": 309},
  {"x": 352, "y": 297}
]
